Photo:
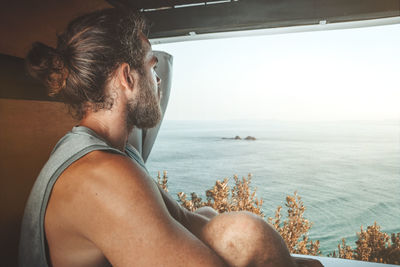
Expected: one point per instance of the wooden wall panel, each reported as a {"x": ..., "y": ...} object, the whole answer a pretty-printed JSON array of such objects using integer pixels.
[
  {"x": 23, "y": 22},
  {"x": 29, "y": 130}
]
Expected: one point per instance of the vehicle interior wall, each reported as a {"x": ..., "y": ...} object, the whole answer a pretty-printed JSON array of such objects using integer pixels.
[{"x": 30, "y": 129}]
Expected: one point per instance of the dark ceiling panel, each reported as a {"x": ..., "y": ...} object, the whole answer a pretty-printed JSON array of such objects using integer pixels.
[
  {"x": 253, "y": 14},
  {"x": 154, "y": 4}
]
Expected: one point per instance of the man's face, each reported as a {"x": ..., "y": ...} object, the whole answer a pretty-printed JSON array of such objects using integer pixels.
[{"x": 144, "y": 111}]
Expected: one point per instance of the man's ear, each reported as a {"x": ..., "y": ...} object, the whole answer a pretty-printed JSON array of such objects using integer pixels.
[{"x": 127, "y": 77}]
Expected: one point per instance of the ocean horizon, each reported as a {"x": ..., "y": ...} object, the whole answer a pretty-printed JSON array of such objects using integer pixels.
[{"x": 346, "y": 172}]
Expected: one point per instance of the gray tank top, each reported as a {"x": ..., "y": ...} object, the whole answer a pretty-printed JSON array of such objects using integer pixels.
[{"x": 74, "y": 145}]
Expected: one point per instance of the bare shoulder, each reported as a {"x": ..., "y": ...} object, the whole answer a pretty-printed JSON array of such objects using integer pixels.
[
  {"x": 104, "y": 184},
  {"x": 111, "y": 202},
  {"x": 102, "y": 174},
  {"x": 99, "y": 175}
]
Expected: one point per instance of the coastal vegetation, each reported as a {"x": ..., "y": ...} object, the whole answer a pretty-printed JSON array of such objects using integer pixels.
[{"x": 372, "y": 245}]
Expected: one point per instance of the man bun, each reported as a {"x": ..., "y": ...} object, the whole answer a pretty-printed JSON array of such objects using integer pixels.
[
  {"x": 47, "y": 65},
  {"x": 87, "y": 53}
]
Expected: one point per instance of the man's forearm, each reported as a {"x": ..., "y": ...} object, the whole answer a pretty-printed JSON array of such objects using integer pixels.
[
  {"x": 192, "y": 221},
  {"x": 195, "y": 223}
]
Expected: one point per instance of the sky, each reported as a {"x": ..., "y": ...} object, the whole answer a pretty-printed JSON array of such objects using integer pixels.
[{"x": 350, "y": 74}]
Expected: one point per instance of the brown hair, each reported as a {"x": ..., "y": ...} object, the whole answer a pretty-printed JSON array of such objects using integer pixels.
[{"x": 87, "y": 53}]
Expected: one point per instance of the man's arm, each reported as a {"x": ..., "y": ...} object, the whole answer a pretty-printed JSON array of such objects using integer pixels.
[
  {"x": 123, "y": 213},
  {"x": 192, "y": 221}
]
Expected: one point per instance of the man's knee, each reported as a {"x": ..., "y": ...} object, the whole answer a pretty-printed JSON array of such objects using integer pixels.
[
  {"x": 240, "y": 226},
  {"x": 244, "y": 239}
]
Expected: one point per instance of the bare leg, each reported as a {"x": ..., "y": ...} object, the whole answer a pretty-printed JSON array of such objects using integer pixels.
[{"x": 243, "y": 239}]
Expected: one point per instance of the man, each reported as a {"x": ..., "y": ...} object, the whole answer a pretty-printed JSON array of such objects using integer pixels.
[{"x": 94, "y": 203}]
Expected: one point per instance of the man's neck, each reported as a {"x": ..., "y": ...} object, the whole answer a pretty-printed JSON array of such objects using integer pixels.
[{"x": 111, "y": 128}]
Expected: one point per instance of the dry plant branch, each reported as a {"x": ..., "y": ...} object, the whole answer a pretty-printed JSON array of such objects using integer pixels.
[
  {"x": 373, "y": 246},
  {"x": 294, "y": 230}
]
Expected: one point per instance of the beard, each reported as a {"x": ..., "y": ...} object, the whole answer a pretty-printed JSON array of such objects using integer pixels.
[{"x": 144, "y": 112}]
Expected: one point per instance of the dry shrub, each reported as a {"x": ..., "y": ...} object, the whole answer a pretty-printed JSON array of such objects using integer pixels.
[
  {"x": 345, "y": 251},
  {"x": 218, "y": 196},
  {"x": 190, "y": 204},
  {"x": 163, "y": 181},
  {"x": 372, "y": 245},
  {"x": 243, "y": 198},
  {"x": 294, "y": 230},
  {"x": 223, "y": 199}
]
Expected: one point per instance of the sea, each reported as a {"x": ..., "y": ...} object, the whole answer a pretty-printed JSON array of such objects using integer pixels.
[{"x": 347, "y": 173}]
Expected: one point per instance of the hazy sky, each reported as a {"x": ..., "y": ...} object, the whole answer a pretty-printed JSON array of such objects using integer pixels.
[{"x": 326, "y": 75}]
